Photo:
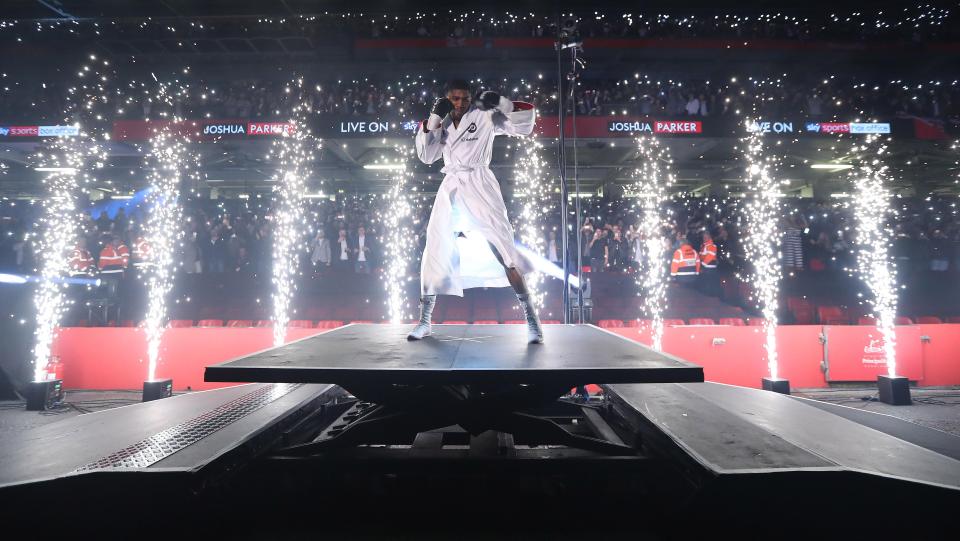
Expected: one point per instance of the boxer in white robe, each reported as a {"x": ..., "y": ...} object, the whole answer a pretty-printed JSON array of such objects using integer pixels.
[{"x": 470, "y": 242}]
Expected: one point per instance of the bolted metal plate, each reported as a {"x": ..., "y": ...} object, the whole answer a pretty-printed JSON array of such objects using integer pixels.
[{"x": 149, "y": 451}]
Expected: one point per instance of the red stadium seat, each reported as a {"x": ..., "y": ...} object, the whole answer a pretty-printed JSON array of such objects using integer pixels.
[
  {"x": 128, "y": 323},
  {"x": 300, "y": 324},
  {"x": 609, "y": 323},
  {"x": 702, "y": 321},
  {"x": 264, "y": 323},
  {"x": 486, "y": 322},
  {"x": 799, "y": 303},
  {"x": 803, "y": 316},
  {"x": 673, "y": 322},
  {"x": 929, "y": 320},
  {"x": 902, "y": 320},
  {"x": 755, "y": 322},
  {"x": 240, "y": 323},
  {"x": 638, "y": 322},
  {"x": 361, "y": 321},
  {"x": 454, "y": 322},
  {"x": 832, "y": 315},
  {"x": 734, "y": 321},
  {"x": 210, "y": 323},
  {"x": 329, "y": 324},
  {"x": 866, "y": 320},
  {"x": 180, "y": 323}
]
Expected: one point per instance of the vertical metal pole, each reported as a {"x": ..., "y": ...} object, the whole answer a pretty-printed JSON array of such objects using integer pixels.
[
  {"x": 576, "y": 186},
  {"x": 561, "y": 157}
]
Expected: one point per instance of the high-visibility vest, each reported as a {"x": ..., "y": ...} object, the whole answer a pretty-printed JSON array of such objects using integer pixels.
[
  {"x": 708, "y": 255},
  {"x": 114, "y": 260},
  {"x": 80, "y": 261},
  {"x": 685, "y": 262},
  {"x": 141, "y": 252}
]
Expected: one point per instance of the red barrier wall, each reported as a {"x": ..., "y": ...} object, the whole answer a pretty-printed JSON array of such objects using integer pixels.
[
  {"x": 736, "y": 355},
  {"x": 854, "y": 353},
  {"x": 114, "y": 358},
  {"x": 941, "y": 354}
]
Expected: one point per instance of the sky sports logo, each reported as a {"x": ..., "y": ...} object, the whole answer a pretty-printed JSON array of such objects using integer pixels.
[
  {"x": 848, "y": 127},
  {"x": 39, "y": 131}
]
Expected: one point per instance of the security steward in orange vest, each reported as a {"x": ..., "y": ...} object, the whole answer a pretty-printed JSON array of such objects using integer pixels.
[
  {"x": 685, "y": 266},
  {"x": 81, "y": 262},
  {"x": 709, "y": 280}
]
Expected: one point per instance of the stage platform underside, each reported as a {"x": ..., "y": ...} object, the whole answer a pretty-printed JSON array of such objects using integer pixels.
[
  {"x": 180, "y": 434},
  {"x": 364, "y": 354},
  {"x": 735, "y": 431}
]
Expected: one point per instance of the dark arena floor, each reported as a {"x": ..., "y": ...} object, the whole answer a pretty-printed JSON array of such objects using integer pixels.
[{"x": 422, "y": 439}]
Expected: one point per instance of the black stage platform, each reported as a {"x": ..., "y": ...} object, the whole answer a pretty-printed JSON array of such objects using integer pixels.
[
  {"x": 458, "y": 354},
  {"x": 484, "y": 456}
]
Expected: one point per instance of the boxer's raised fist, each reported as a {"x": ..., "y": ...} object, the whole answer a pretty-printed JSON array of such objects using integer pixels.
[
  {"x": 488, "y": 100},
  {"x": 442, "y": 107}
]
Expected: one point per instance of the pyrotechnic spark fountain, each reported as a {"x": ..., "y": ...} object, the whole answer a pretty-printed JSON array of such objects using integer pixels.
[
  {"x": 66, "y": 163},
  {"x": 535, "y": 197},
  {"x": 399, "y": 238},
  {"x": 872, "y": 208},
  {"x": 293, "y": 153},
  {"x": 168, "y": 159},
  {"x": 653, "y": 179},
  {"x": 58, "y": 238},
  {"x": 762, "y": 239}
]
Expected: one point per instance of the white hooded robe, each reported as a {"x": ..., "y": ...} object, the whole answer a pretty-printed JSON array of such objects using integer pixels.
[{"x": 469, "y": 202}]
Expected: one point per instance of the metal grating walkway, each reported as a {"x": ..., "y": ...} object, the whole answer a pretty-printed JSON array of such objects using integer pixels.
[{"x": 163, "y": 444}]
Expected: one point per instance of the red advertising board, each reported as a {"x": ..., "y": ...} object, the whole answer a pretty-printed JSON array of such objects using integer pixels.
[
  {"x": 732, "y": 355},
  {"x": 857, "y": 353}
]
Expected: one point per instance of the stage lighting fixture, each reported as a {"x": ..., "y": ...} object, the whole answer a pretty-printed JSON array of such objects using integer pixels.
[
  {"x": 894, "y": 390},
  {"x": 157, "y": 389},
  {"x": 777, "y": 385},
  {"x": 44, "y": 395}
]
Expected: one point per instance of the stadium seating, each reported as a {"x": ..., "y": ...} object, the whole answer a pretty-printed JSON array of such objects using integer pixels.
[
  {"x": 702, "y": 321},
  {"x": 672, "y": 322},
  {"x": 866, "y": 320},
  {"x": 733, "y": 321},
  {"x": 832, "y": 315},
  {"x": 240, "y": 323},
  {"x": 180, "y": 323},
  {"x": 902, "y": 320},
  {"x": 210, "y": 323},
  {"x": 264, "y": 323},
  {"x": 609, "y": 323},
  {"x": 300, "y": 323},
  {"x": 929, "y": 320},
  {"x": 329, "y": 324}
]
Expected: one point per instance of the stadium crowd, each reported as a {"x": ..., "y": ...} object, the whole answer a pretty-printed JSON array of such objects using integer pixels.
[
  {"x": 237, "y": 235},
  {"x": 831, "y": 97}
]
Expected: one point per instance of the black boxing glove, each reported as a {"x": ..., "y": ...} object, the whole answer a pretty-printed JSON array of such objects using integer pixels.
[
  {"x": 487, "y": 100},
  {"x": 442, "y": 107}
]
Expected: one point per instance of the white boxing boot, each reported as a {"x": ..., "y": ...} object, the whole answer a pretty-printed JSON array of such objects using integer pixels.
[
  {"x": 534, "y": 330},
  {"x": 423, "y": 328}
]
